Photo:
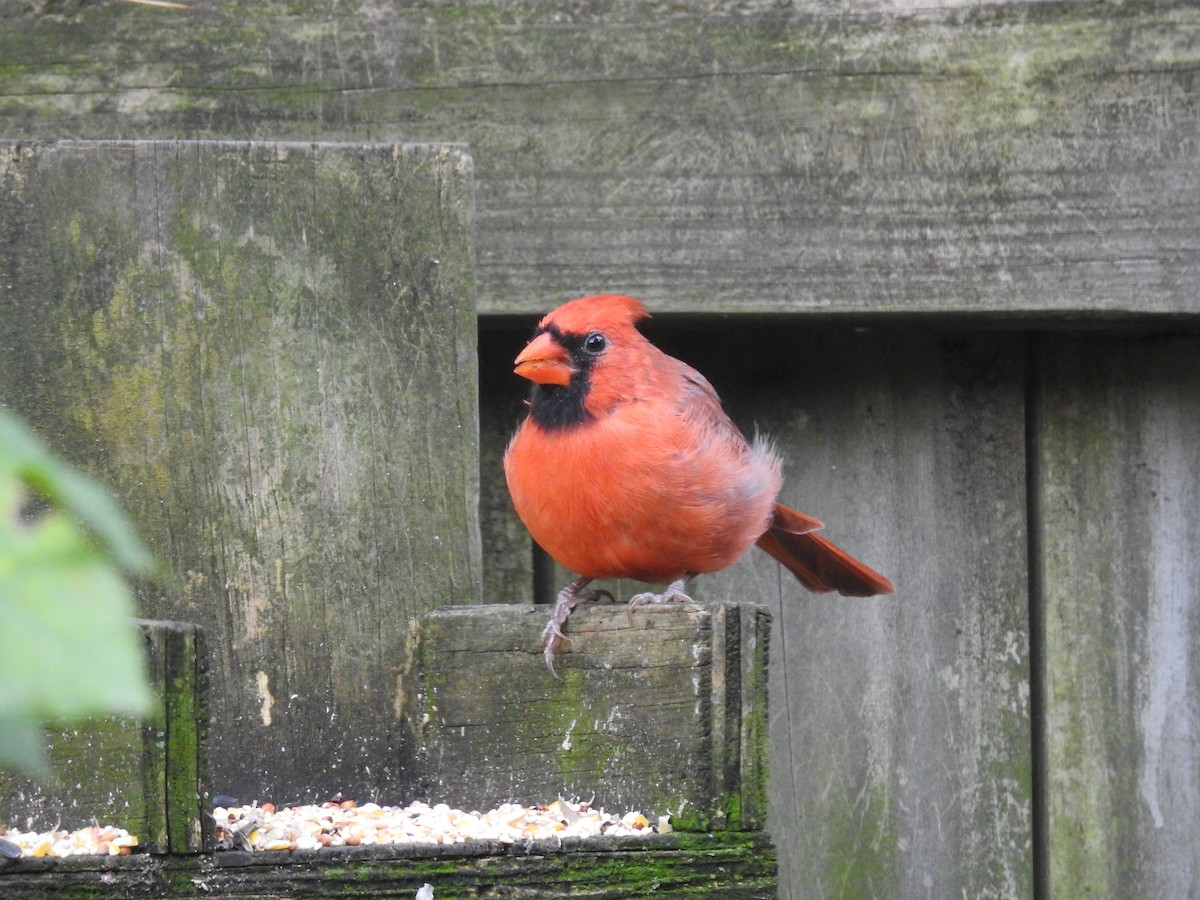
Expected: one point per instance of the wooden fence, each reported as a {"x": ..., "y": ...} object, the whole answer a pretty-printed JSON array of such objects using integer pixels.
[
  {"x": 946, "y": 256},
  {"x": 262, "y": 347}
]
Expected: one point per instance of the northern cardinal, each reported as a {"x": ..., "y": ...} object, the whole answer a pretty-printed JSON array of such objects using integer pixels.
[{"x": 627, "y": 467}]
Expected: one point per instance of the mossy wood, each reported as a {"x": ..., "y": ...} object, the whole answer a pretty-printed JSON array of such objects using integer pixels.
[
  {"x": 723, "y": 866},
  {"x": 150, "y": 778},
  {"x": 268, "y": 351},
  {"x": 1118, "y": 505},
  {"x": 662, "y": 710},
  {"x": 1010, "y": 159}
]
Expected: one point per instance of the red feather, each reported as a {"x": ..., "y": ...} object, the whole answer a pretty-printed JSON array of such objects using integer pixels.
[{"x": 819, "y": 564}]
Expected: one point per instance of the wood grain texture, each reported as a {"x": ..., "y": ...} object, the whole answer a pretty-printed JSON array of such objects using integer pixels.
[
  {"x": 1120, "y": 449},
  {"x": 900, "y": 726},
  {"x": 268, "y": 351},
  {"x": 1015, "y": 160},
  {"x": 663, "y": 712},
  {"x": 722, "y": 866}
]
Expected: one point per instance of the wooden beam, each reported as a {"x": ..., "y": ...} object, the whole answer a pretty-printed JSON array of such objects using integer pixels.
[
  {"x": 721, "y": 866},
  {"x": 1011, "y": 160},
  {"x": 662, "y": 711}
]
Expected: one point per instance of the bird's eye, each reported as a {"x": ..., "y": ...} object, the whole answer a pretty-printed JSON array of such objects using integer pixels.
[{"x": 595, "y": 343}]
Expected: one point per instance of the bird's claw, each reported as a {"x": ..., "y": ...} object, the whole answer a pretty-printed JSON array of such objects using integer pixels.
[
  {"x": 552, "y": 639},
  {"x": 673, "y": 594},
  {"x": 553, "y": 635},
  {"x": 648, "y": 597}
]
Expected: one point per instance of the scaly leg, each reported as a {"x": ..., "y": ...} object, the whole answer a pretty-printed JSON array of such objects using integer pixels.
[{"x": 568, "y": 599}]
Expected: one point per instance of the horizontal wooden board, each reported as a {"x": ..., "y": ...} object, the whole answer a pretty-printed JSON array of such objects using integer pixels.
[
  {"x": 1007, "y": 160},
  {"x": 675, "y": 866}
]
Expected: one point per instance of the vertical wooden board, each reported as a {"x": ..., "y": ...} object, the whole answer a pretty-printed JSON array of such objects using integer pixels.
[
  {"x": 268, "y": 350},
  {"x": 1120, "y": 511},
  {"x": 754, "y": 730},
  {"x": 900, "y": 725},
  {"x": 155, "y": 740},
  {"x": 188, "y": 806}
]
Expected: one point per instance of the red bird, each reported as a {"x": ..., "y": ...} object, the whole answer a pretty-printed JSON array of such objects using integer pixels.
[{"x": 627, "y": 467}]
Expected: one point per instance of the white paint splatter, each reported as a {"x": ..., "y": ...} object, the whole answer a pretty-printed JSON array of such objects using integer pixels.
[{"x": 263, "y": 685}]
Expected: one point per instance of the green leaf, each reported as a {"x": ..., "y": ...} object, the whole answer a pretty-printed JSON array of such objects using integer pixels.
[
  {"x": 24, "y": 454},
  {"x": 68, "y": 645},
  {"x": 23, "y": 746}
]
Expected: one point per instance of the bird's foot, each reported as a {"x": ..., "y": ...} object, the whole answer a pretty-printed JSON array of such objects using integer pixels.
[
  {"x": 673, "y": 594},
  {"x": 569, "y": 597}
]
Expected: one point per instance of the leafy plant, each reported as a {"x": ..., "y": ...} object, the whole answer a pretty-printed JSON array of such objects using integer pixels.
[{"x": 68, "y": 648}]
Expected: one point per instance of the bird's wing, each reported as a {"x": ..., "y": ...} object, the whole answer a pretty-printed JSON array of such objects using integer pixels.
[
  {"x": 700, "y": 405},
  {"x": 698, "y": 397}
]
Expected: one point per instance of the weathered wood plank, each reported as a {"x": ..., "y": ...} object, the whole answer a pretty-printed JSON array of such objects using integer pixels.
[
  {"x": 184, "y": 737},
  {"x": 901, "y": 726},
  {"x": 150, "y": 778},
  {"x": 1120, "y": 512},
  {"x": 723, "y": 866},
  {"x": 1018, "y": 159},
  {"x": 267, "y": 350},
  {"x": 663, "y": 711}
]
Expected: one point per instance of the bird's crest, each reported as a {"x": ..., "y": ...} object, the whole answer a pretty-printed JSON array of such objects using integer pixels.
[{"x": 596, "y": 312}]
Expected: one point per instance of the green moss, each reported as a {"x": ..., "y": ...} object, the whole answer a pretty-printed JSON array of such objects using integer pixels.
[
  {"x": 690, "y": 820},
  {"x": 1089, "y": 748},
  {"x": 861, "y": 855},
  {"x": 179, "y": 878},
  {"x": 568, "y": 713},
  {"x": 682, "y": 865}
]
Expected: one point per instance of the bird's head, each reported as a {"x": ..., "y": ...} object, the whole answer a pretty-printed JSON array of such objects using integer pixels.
[{"x": 580, "y": 357}]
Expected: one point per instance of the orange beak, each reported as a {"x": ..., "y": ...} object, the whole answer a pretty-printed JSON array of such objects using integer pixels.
[{"x": 545, "y": 361}]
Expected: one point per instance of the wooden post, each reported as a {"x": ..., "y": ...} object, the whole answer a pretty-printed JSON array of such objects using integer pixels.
[
  {"x": 149, "y": 778},
  {"x": 663, "y": 710},
  {"x": 268, "y": 351}
]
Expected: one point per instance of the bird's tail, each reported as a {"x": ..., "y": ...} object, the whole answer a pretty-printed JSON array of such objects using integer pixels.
[{"x": 821, "y": 565}]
